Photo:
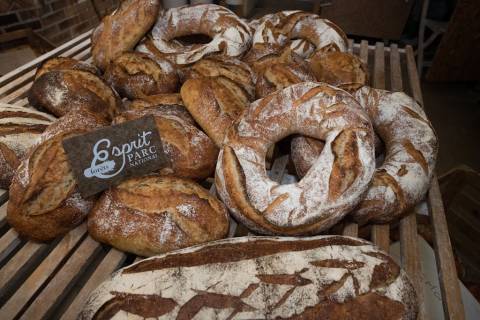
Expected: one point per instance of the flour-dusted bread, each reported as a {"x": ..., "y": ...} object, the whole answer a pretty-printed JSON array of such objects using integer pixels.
[
  {"x": 156, "y": 214},
  {"x": 190, "y": 152},
  {"x": 155, "y": 100},
  {"x": 61, "y": 91},
  {"x": 325, "y": 277},
  {"x": 44, "y": 201},
  {"x": 122, "y": 30},
  {"x": 135, "y": 75},
  {"x": 20, "y": 128}
]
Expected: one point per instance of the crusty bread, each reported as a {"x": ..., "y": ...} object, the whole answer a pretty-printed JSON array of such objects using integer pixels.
[
  {"x": 20, "y": 128},
  {"x": 330, "y": 190},
  {"x": 285, "y": 28},
  {"x": 135, "y": 75},
  {"x": 230, "y": 36},
  {"x": 216, "y": 92},
  {"x": 43, "y": 200},
  {"x": 190, "y": 152},
  {"x": 340, "y": 69},
  {"x": 65, "y": 63},
  {"x": 325, "y": 277},
  {"x": 155, "y": 100},
  {"x": 403, "y": 178},
  {"x": 63, "y": 90},
  {"x": 122, "y": 30},
  {"x": 156, "y": 214}
]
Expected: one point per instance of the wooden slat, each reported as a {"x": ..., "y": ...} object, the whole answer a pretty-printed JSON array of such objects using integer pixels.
[
  {"x": 109, "y": 264},
  {"x": 8, "y": 243},
  {"x": 364, "y": 51},
  {"x": 52, "y": 293},
  {"x": 41, "y": 274},
  {"x": 410, "y": 256},
  {"x": 451, "y": 297},
  {"x": 35, "y": 62},
  {"x": 380, "y": 233},
  {"x": 351, "y": 230}
]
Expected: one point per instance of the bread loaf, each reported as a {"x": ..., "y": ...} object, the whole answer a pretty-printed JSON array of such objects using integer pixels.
[
  {"x": 190, "y": 152},
  {"x": 329, "y": 191},
  {"x": 64, "y": 63},
  {"x": 122, "y": 30},
  {"x": 340, "y": 69},
  {"x": 135, "y": 75},
  {"x": 326, "y": 277},
  {"x": 64, "y": 90},
  {"x": 43, "y": 200},
  {"x": 230, "y": 36},
  {"x": 154, "y": 214},
  {"x": 19, "y": 130}
]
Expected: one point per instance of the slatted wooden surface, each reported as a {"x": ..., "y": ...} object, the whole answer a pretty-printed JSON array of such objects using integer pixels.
[{"x": 52, "y": 281}]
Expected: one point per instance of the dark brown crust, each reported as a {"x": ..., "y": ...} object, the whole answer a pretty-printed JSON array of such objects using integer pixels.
[
  {"x": 64, "y": 90},
  {"x": 148, "y": 220},
  {"x": 136, "y": 75},
  {"x": 155, "y": 100},
  {"x": 222, "y": 253}
]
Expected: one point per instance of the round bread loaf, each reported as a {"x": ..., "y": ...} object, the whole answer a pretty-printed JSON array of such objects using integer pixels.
[
  {"x": 135, "y": 75},
  {"x": 340, "y": 69},
  {"x": 190, "y": 152},
  {"x": 65, "y": 63},
  {"x": 20, "y": 128},
  {"x": 122, "y": 30},
  {"x": 155, "y": 100},
  {"x": 335, "y": 184},
  {"x": 230, "y": 36},
  {"x": 63, "y": 90},
  {"x": 44, "y": 202},
  {"x": 285, "y": 28},
  {"x": 216, "y": 93},
  {"x": 403, "y": 178},
  {"x": 156, "y": 214},
  {"x": 326, "y": 277}
]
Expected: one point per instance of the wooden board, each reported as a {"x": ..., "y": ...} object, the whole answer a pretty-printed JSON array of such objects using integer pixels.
[{"x": 52, "y": 281}]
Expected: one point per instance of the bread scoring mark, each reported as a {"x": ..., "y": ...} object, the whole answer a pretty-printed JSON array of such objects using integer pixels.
[
  {"x": 416, "y": 154},
  {"x": 338, "y": 263},
  {"x": 143, "y": 305}
]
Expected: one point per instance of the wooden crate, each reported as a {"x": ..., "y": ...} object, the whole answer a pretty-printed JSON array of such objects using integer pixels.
[{"x": 52, "y": 281}]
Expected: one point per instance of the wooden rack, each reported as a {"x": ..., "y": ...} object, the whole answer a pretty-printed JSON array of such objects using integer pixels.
[{"x": 52, "y": 281}]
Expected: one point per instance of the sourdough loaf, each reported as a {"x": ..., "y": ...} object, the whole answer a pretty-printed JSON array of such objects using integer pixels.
[
  {"x": 155, "y": 100},
  {"x": 326, "y": 277},
  {"x": 43, "y": 200},
  {"x": 156, "y": 214},
  {"x": 65, "y": 63}
]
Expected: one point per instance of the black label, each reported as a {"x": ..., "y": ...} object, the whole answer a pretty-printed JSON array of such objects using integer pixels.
[{"x": 105, "y": 157}]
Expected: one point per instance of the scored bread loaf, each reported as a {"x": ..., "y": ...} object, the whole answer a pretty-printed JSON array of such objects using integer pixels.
[
  {"x": 190, "y": 152},
  {"x": 216, "y": 93},
  {"x": 135, "y": 75},
  {"x": 122, "y": 30},
  {"x": 63, "y": 90},
  {"x": 65, "y": 63},
  {"x": 43, "y": 198},
  {"x": 20, "y": 128},
  {"x": 156, "y": 214},
  {"x": 324, "y": 277}
]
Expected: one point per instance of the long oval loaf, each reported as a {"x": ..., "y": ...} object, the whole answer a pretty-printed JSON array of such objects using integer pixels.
[{"x": 324, "y": 277}]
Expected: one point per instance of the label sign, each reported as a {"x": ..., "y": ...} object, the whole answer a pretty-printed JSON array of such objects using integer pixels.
[{"x": 105, "y": 157}]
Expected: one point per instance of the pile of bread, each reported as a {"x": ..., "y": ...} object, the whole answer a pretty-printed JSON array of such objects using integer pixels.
[{"x": 222, "y": 92}]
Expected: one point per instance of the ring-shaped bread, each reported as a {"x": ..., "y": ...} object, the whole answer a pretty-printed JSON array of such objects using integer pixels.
[
  {"x": 403, "y": 178},
  {"x": 304, "y": 32},
  {"x": 230, "y": 35},
  {"x": 334, "y": 185}
]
